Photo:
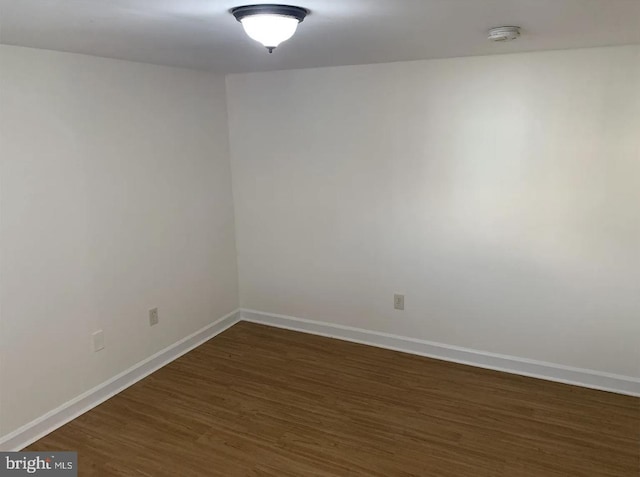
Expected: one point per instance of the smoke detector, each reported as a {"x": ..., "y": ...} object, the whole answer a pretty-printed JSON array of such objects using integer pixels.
[{"x": 504, "y": 33}]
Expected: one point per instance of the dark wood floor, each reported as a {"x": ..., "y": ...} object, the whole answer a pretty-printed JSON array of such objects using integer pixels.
[{"x": 268, "y": 402}]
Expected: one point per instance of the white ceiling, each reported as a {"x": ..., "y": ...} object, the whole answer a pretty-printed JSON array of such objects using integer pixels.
[{"x": 202, "y": 33}]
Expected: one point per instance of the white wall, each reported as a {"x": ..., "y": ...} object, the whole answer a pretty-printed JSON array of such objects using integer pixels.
[
  {"x": 500, "y": 194},
  {"x": 115, "y": 198}
]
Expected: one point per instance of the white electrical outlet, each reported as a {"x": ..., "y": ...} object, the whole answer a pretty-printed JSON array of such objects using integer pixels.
[
  {"x": 98, "y": 340},
  {"x": 398, "y": 302},
  {"x": 153, "y": 317}
]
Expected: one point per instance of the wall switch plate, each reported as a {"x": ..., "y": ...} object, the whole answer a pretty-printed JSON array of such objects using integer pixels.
[
  {"x": 98, "y": 340},
  {"x": 398, "y": 302},
  {"x": 153, "y": 317}
]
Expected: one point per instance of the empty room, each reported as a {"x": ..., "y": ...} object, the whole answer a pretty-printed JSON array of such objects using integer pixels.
[{"x": 323, "y": 238}]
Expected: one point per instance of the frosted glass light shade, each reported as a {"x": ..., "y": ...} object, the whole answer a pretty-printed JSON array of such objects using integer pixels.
[
  {"x": 269, "y": 24},
  {"x": 269, "y": 29}
]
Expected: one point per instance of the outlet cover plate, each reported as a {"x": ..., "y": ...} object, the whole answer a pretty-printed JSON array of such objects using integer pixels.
[
  {"x": 98, "y": 340},
  {"x": 153, "y": 317},
  {"x": 398, "y": 302}
]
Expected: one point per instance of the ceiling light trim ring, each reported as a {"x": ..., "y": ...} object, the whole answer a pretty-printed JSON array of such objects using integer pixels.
[{"x": 298, "y": 13}]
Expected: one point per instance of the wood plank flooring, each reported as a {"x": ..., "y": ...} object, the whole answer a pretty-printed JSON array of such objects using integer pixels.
[{"x": 260, "y": 401}]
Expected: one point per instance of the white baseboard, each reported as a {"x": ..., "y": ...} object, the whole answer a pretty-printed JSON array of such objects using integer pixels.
[
  {"x": 40, "y": 427},
  {"x": 56, "y": 418},
  {"x": 509, "y": 364}
]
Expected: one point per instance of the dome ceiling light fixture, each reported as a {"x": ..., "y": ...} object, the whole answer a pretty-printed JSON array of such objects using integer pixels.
[
  {"x": 504, "y": 33},
  {"x": 269, "y": 24}
]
